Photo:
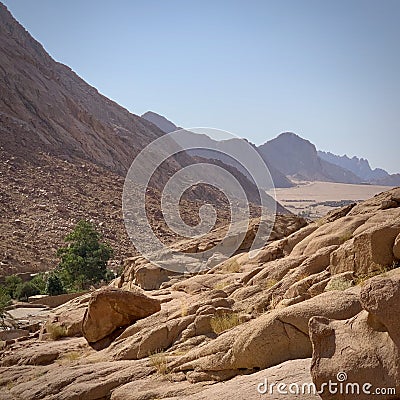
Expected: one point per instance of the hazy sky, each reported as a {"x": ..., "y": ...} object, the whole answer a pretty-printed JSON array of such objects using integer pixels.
[{"x": 327, "y": 70}]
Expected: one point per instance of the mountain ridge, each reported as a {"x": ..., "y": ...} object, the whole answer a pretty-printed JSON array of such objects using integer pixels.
[{"x": 279, "y": 179}]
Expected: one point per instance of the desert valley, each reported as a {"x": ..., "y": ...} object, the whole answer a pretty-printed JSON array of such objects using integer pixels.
[{"x": 310, "y": 313}]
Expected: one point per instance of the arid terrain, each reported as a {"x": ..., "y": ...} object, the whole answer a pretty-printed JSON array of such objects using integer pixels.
[
  {"x": 316, "y": 301},
  {"x": 323, "y": 299},
  {"x": 315, "y": 199}
]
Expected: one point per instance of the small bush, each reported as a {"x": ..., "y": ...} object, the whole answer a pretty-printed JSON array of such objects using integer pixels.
[
  {"x": 54, "y": 285},
  {"x": 5, "y": 300},
  {"x": 11, "y": 283},
  {"x": 345, "y": 237},
  {"x": 221, "y": 285},
  {"x": 56, "y": 331},
  {"x": 159, "y": 361},
  {"x": 338, "y": 284},
  {"x": 223, "y": 322},
  {"x": 233, "y": 267},
  {"x": 360, "y": 279},
  {"x": 26, "y": 290},
  {"x": 270, "y": 282},
  {"x": 184, "y": 309},
  {"x": 72, "y": 356},
  {"x": 40, "y": 282}
]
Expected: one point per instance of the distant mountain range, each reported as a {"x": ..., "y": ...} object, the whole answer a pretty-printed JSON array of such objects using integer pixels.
[
  {"x": 359, "y": 166},
  {"x": 290, "y": 157},
  {"x": 230, "y": 146}
]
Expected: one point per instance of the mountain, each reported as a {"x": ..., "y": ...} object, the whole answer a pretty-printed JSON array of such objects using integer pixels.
[
  {"x": 298, "y": 158},
  {"x": 64, "y": 152},
  {"x": 160, "y": 121},
  {"x": 230, "y": 146},
  {"x": 359, "y": 166}
]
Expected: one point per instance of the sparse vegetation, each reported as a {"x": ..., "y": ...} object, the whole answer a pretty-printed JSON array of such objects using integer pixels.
[
  {"x": 270, "y": 282},
  {"x": 184, "y": 309},
  {"x": 221, "y": 285},
  {"x": 11, "y": 284},
  {"x": 71, "y": 356},
  {"x": 233, "y": 267},
  {"x": 56, "y": 331},
  {"x": 223, "y": 322},
  {"x": 360, "y": 279},
  {"x": 4, "y": 302},
  {"x": 40, "y": 282},
  {"x": 338, "y": 284},
  {"x": 159, "y": 361},
  {"x": 345, "y": 237}
]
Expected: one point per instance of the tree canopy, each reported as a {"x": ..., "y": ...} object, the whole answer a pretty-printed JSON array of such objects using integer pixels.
[{"x": 84, "y": 259}]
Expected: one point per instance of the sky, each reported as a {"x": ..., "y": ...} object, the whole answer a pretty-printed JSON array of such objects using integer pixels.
[{"x": 326, "y": 70}]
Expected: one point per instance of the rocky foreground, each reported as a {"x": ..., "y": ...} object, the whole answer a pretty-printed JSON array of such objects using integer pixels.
[{"x": 321, "y": 301}]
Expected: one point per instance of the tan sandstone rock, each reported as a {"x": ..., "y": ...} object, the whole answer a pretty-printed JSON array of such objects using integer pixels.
[
  {"x": 111, "y": 308},
  {"x": 365, "y": 347}
]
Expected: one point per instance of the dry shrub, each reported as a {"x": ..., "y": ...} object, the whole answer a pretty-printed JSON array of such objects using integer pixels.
[
  {"x": 159, "y": 361},
  {"x": 223, "y": 322},
  {"x": 56, "y": 331}
]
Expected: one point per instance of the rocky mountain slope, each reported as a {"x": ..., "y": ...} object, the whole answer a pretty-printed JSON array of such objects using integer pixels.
[
  {"x": 45, "y": 106},
  {"x": 321, "y": 300},
  {"x": 359, "y": 166},
  {"x": 64, "y": 150},
  {"x": 230, "y": 146},
  {"x": 298, "y": 158}
]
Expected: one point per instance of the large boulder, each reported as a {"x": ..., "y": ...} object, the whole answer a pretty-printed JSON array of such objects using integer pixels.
[
  {"x": 68, "y": 316},
  {"x": 138, "y": 271},
  {"x": 396, "y": 247},
  {"x": 112, "y": 308},
  {"x": 364, "y": 349},
  {"x": 369, "y": 250},
  {"x": 270, "y": 339}
]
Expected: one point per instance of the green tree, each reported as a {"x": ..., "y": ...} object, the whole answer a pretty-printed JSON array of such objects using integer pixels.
[
  {"x": 25, "y": 290},
  {"x": 11, "y": 283},
  {"x": 54, "y": 285},
  {"x": 84, "y": 259},
  {"x": 4, "y": 301},
  {"x": 40, "y": 282}
]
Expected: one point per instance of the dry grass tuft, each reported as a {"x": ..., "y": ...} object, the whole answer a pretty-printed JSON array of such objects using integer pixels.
[
  {"x": 232, "y": 267},
  {"x": 345, "y": 237},
  {"x": 223, "y": 322},
  {"x": 338, "y": 284},
  {"x": 184, "y": 309},
  {"x": 270, "y": 282},
  {"x": 221, "y": 285},
  {"x": 56, "y": 331},
  {"x": 159, "y": 361},
  {"x": 362, "y": 278}
]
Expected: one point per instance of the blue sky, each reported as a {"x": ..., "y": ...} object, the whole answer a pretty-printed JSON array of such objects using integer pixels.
[{"x": 326, "y": 70}]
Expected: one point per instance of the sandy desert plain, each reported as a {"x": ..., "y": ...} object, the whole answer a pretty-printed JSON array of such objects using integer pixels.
[{"x": 315, "y": 199}]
